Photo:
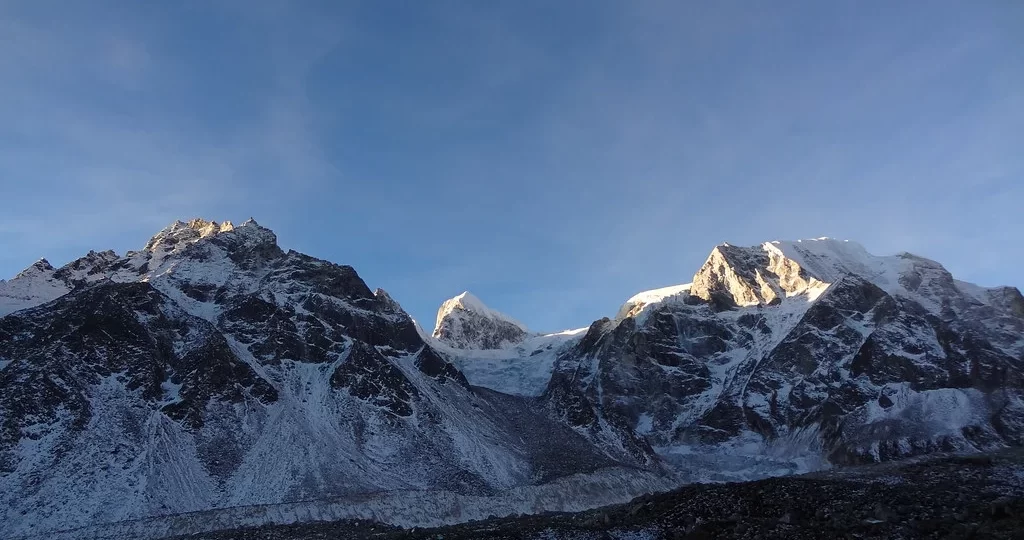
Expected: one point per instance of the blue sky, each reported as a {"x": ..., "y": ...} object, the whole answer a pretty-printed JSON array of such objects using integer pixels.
[{"x": 552, "y": 157}]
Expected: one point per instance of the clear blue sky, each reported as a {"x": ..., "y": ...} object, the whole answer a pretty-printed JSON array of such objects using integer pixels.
[{"x": 552, "y": 157}]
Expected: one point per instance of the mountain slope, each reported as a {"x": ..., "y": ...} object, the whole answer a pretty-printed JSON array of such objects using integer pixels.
[
  {"x": 213, "y": 369},
  {"x": 214, "y": 372},
  {"x": 804, "y": 352},
  {"x": 42, "y": 283}
]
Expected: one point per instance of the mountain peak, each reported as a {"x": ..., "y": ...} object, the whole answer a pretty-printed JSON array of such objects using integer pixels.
[
  {"x": 186, "y": 231},
  {"x": 39, "y": 267},
  {"x": 180, "y": 234},
  {"x": 464, "y": 321},
  {"x": 773, "y": 271},
  {"x": 32, "y": 286},
  {"x": 467, "y": 301}
]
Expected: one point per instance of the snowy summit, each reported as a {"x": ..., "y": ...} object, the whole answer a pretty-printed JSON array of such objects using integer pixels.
[{"x": 467, "y": 323}]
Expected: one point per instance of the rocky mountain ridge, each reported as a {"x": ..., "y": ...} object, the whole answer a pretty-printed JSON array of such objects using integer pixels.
[
  {"x": 805, "y": 350},
  {"x": 212, "y": 369}
]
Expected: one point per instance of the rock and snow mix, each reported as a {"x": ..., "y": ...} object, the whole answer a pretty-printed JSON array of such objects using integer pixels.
[
  {"x": 212, "y": 371},
  {"x": 464, "y": 322}
]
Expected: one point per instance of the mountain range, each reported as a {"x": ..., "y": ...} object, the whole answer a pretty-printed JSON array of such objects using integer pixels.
[{"x": 213, "y": 374}]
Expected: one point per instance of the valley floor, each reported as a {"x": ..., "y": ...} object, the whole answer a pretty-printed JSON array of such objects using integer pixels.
[{"x": 976, "y": 496}]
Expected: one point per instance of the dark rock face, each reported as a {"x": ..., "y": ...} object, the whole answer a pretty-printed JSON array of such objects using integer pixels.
[
  {"x": 368, "y": 375},
  {"x": 91, "y": 266},
  {"x": 212, "y": 371},
  {"x": 434, "y": 365},
  {"x": 128, "y": 331},
  {"x": 600, "y": 364},
  {"x": 325, "y": 278}
]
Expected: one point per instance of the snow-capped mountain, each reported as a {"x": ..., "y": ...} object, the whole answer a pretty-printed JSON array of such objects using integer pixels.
[
  {"x": 212, "y": 370},
  {"x": 807, "y": 352},
  {"x": 494, "y": 349},
  {"x": 41, "y": 282},
  {"x": 464, "y": 322}
]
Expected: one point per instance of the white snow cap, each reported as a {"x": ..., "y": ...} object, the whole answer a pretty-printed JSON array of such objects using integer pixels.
[
  {"x": 639, "y": 301},
  {"x": 32, "y": 286},
  {"x": 470, "y": 303},
  {"x": 42, "y": 266},
  {"x": 827, "y": 257}
]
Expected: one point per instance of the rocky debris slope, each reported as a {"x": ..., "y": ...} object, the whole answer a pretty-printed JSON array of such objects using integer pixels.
[
  {"x": 408, "y": 509},
  {"x": 977, "y": 496}
]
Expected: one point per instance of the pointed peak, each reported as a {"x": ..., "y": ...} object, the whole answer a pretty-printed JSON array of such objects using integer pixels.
[
  {"x": 107, "y": 255},
  {"x": 190, "y": 231},
  {"x": 466, "y": 311},
  {"x": 42, "y": 266},
  {"x": 468, "y": 301},
  {"x": 387, "y": 302}
]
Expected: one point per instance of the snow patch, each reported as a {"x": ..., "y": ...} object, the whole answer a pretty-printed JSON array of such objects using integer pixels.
[
  {"x": 640, "y": 301},
  {"x": 943, "y": 410}
]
